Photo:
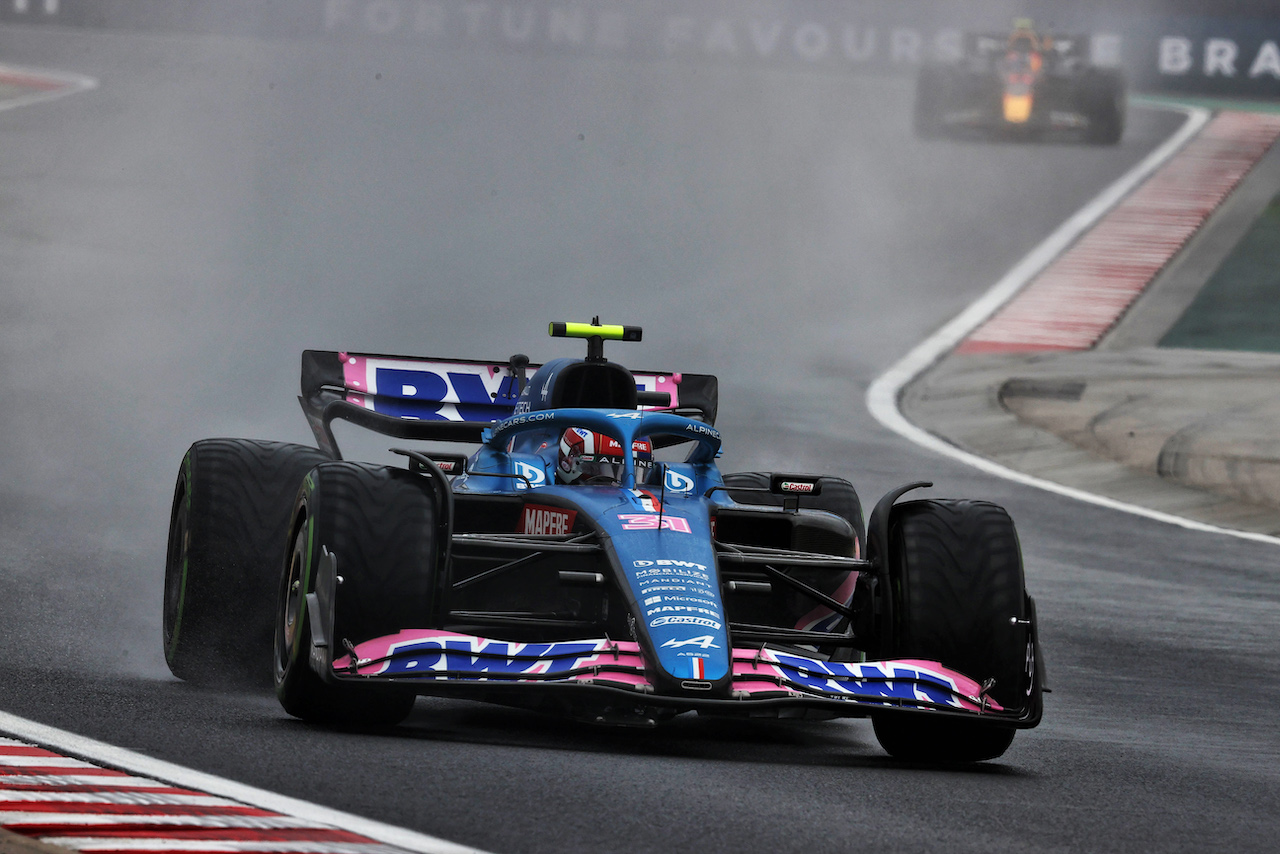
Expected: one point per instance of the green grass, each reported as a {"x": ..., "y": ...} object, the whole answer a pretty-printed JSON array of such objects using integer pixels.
[
  {"x": 1241, "y": 104},
  {"x": 1239, "y": 307}
]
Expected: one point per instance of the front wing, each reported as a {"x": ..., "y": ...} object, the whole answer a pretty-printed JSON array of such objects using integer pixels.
[
  {"x": 1056, "y": 107},
  {"x": 447, "y": 663}
]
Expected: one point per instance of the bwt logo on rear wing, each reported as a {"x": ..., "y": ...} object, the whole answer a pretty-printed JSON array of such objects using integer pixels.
[
  {"x": 430, "y": 390},
  {"x": 444, "y": 399}
]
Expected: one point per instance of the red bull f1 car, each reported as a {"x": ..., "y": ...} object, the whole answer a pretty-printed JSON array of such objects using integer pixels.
[
  {"x": 1023, "y": 85},
  {"x": 588, "y": 558}
]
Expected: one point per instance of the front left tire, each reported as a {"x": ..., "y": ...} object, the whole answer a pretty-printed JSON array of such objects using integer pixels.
[{"x": 379, "y": 523}]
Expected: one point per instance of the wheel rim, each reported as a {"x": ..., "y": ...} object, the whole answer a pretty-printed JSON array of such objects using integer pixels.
[{"x": 292, "y": 599}]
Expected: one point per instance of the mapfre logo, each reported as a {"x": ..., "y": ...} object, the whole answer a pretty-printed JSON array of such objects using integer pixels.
[{"x": 537, "y": 519}]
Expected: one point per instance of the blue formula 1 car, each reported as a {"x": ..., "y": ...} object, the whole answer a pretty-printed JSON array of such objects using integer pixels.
[{"x": 588, "y": 559}]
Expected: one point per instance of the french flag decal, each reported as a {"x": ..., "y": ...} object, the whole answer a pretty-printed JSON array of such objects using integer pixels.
[{"x": 699, "y": 668}]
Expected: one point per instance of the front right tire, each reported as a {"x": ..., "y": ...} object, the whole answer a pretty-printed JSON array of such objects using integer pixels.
[{"x": 959, "y": 598}]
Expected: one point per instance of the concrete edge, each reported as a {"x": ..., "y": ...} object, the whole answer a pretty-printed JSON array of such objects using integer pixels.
[
  {"x": 16, "y": 843},
  {"x": 962, "y": 398},
  {"x": 886, "y": 391}
]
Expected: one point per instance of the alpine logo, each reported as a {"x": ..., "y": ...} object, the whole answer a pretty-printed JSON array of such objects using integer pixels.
[
  {"x": 703, "y": 642},
  {"x": 537, "y": 519},
  {"x": 677, "y": 482},
  {"x": 533, "y": 474},
  {"x": 649, "y": 522}
]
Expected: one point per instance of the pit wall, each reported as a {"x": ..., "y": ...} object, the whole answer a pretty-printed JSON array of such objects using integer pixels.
[{"x": 1194, "y": 47}]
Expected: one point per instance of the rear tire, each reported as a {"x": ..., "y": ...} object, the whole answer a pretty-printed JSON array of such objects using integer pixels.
[
  {"x": 956, "y": 578},
  {"x": 380, "y": 523},
  {"x": 227, "y": 530},
  {"x": 1105, "y": 104}
]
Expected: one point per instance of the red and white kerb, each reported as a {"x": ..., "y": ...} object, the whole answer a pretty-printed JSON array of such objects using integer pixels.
[
  {"x": 1077, "y": 299},
  {"x": 74, "y": 804}
]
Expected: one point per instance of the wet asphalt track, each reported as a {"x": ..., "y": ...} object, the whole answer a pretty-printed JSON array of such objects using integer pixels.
[{"x": 170, "y": 242}]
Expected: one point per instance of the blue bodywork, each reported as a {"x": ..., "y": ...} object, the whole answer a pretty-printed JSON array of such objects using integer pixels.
[{"x": 658, "y": 535}]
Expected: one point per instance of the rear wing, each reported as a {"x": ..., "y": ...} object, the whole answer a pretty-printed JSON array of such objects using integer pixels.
[
  {"x": 452, "y": 400},
  {"x": 994, "y": 45}
]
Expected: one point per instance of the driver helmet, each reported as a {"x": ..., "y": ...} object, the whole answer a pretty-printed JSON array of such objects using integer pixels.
[
  {"x": 1024, "y": 37},
  {"x": 590, "y": 457}
]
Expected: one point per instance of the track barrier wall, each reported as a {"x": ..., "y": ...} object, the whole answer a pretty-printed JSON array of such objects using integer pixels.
[{"x": 1225, "y": 48}]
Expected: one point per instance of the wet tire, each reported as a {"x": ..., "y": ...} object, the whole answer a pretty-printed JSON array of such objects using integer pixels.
[
  {"x": 941, "y": 741},
  {"x": 227, "y": 529},
  {"x": 956, "y": 578},
  {"x": 1105, "y": 104},
  {"x": 380, "y": 524}
]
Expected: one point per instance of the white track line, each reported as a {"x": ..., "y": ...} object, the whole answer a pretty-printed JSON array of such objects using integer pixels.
[
  {"x": 882, "y": 396},
  {"x": 70, "y": 84},
  {"x": 136, "y": 763}
]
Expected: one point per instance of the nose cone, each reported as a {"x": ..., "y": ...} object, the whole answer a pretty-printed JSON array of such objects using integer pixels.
[
  {"x": 678, "y": 601},
  {"x": 669, "y": 566}
]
